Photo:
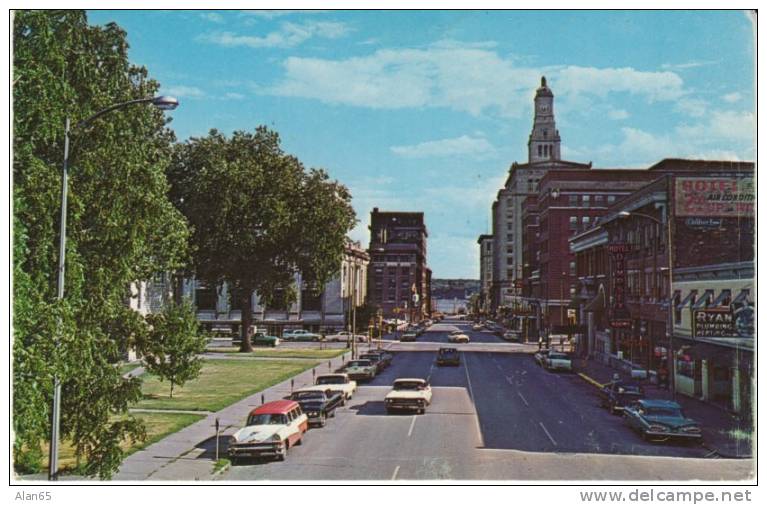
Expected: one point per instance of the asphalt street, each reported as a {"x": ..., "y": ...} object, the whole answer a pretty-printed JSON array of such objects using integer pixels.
[{"x": 496, "y": 416}]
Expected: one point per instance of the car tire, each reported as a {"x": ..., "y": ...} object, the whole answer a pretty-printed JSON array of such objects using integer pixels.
[{"x": 284, "y": 453}]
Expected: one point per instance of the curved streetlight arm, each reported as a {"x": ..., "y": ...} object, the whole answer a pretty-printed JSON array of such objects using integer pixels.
[{"x": 87, "y": 121}]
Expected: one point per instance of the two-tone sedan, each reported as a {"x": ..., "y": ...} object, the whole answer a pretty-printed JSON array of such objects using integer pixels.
[
  {"x": 660, "y": 420},
  {"x": 361, "y": 370},
  {"x": 270, "y": 431}
]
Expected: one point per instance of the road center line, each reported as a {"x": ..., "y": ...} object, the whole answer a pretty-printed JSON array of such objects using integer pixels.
[
  {"x": 527, "y": 404},
  {"x": 412, "y": 424},
  {"x": 547, "y": 433},
  {"x": 396, "y": 471}
]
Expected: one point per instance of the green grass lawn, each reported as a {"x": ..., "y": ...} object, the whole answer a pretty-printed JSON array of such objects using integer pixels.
[
  {"x": 158, "y": 426},
  {"x": 311, "y": 353},
  {"x": 221, "y": 383}
]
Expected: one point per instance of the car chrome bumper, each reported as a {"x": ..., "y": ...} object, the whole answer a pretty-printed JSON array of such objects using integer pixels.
[
  {"x": 674, "y": 434},
  {"x": 404, "y": 406},
  {"x": 256, "y": 451}
]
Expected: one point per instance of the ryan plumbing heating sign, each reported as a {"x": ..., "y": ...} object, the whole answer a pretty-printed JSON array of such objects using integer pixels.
[{"x": 715, "y": 196}]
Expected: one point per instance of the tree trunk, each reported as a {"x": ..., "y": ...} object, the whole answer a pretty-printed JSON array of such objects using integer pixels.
[
  {"x": 246, "y": 319},
  {"x": 171, "y": 388}
]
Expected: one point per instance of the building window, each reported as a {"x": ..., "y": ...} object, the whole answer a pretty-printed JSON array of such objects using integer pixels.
[
  {"x": 573, "y": 200},
  {"x": 205, "y": 298},
  {"x": 586, "y": 200},
  {"x": 610, "y": 199},
  {"x": 585, "y": 220},
  {"x": 573, "y": 222},
  {"x": 540, "y": 150},
  {"x": 572, "y": 268},
  {"x": 599, "y": 200}
]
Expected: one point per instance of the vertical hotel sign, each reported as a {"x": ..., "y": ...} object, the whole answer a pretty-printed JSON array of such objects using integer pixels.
[
  {"x": 619, "y": 314},
  {"x": 715, "y": 196}
]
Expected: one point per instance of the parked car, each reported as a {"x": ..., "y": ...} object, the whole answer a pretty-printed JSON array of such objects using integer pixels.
[
  {"x": 540, "y": 357},
  {"x": 360, "y": 369},
  {"x": 386, "y": 356},
  {"x": 512, "y": 335},
  {"x": 409, "y": 394},
  {"x": 318, "y": 405},
  {"x": 301, "y": 336},
  {"x": 660, "y": 420},
  {"x": 376, "y": 359},
  {"x": 408, "y": 336},
  {"x": 477, "y": 327},
  {"x": 448, "y": 356},
  {"x": 339, "y": 382},
  {"x": 617, "y": 394},
  {"x": 458, "y": 337},
  {"x": 270, "y": 431},
  {"x": 345, "y": 336},
  {"x": 261, "y": 338},
  {"x": 558, "y": 361}
]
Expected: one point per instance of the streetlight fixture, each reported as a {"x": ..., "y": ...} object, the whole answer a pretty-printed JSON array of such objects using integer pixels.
[
  {"x": 162, "y": 103},
  {"x": 670, "y": 322}
]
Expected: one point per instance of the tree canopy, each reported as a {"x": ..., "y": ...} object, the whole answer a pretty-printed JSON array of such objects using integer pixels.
[
  {"x": 258, "y": 216},
  {"x": 121, "y": 228}
]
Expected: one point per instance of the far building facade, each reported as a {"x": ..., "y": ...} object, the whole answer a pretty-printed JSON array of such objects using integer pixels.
[
  {"x": 398, "y": 277},
  {"x": 485, "y": 243}
]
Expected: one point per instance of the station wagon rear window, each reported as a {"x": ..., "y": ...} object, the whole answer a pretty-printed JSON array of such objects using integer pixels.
[{"x": 258, "y": 419}]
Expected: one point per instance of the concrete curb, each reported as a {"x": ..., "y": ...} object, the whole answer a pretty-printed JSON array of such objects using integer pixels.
[{"x": 590, "y": 380}]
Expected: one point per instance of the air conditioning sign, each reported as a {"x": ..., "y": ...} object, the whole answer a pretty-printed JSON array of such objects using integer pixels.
[{"x": 715, "y": 196}]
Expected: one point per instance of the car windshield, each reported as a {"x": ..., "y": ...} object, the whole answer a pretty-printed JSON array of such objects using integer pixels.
[
  {"x": 556, "y": 355},
  {"x": 360, "y": 362},
  {"x": 663, "y": 412},
  {"x": 629, "y": 388},
  {"x": 408, "y": 385},
  {"x": 455, "y": 332},
  {"x": 308, "y": 395},
  {"x": 331, "y": 380},
  {"x": 371, "y": 357},
  {"x": 258, "y": 419}
]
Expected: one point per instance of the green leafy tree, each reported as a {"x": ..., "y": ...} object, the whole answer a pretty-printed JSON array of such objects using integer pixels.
[
  {"x": 258, "y": 217},
  {"x": 173, "y": 344},
  {"x": 121, "y": 227}
]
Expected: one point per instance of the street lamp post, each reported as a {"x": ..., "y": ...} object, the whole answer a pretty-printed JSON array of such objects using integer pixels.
[
  {"x": 161, "y": 102},
  {"x": 670, "y": 320}
]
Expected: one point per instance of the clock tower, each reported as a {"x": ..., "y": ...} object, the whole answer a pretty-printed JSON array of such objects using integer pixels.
[{"x": 543, "y": 144}]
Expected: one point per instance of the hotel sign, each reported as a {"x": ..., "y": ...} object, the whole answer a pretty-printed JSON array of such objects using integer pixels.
[
  {"x": 619, "y": 314},
  {"x": 715, "y": 196}
]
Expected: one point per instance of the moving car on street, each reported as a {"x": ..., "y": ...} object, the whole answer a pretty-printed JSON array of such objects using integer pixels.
[
  {"x": 512, "y": 335},
  {"x": 337, "y": 382},
  {"x": 660, "y": 420},
  {"x": 477, "y": 327},
  {"x": 386, "y": 356},
  {"x": 408, "y": 336},
  {"x": 270, "y": 431},
  {"x": 540, "y": 356},
  {"x": 448, "y": 356},
  {"x": 558, "y": 361},
  {"x": 458, "y": 337},
  {"x": 345, "y": 336},
  {"x": 615, "y": 395},
  {"x": 318, "y": 405},
  {"x": 361, "y": 369},
  {"x": 301, "y": 336},
  {"x": 409, "y": 394},
  {"x": 261, "y": 338}
]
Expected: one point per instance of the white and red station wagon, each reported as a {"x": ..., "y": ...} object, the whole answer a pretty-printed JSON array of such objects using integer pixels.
[{"x": 270, "y": 431}]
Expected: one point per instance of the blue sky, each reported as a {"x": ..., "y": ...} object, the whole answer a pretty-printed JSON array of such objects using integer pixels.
[{"x": 426, "y": 110}]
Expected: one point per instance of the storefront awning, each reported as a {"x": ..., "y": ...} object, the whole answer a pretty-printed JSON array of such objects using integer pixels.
[
  {"x": 688, "y": 299},
  {"x": 723, "y": 299},
  {"x": 598, "y": 303},
  {"x": 742, "y": 298},
  {"x": 705, "y": 300}
]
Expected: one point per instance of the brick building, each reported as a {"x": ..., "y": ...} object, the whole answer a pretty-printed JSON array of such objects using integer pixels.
[
  {"x": 398, "y": 277},
  {"x": 705, "y": 210}
]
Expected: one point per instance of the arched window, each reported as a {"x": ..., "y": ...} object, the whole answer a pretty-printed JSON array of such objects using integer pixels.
[
  {"x": 540, "y": 150},
  {"x": 546, "y": 150},
  {"x": 545, "y": 133}
]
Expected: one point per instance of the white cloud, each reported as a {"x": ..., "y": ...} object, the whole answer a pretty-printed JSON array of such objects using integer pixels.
[
  {"x": 289, "y": 35},
  {"x": 460, "y": 146},
  {"x": 602, "y": 81},
  {"x": 184, "y": 92},
  {"x": 732, "y": 97},
  {"x": 617, "y": 114},
  {"x": 468, "y": 77},
  {"x": 723, "y": 125},
  {"x": 234, "y": 96},
  {"x": 277, "y": 13},
  {"x": 213, "y": 17},
  {"x": 689, "y": 64},
  {"x": 692, "y": 106}
]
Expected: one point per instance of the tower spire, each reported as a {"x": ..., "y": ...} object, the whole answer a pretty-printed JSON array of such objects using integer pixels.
[{"x": 544, "y": 141}]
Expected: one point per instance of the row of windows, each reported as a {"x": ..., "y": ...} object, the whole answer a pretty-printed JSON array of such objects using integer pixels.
[
  {"x": 545, "y": 150},
  {"x": 586, "y": 200}
]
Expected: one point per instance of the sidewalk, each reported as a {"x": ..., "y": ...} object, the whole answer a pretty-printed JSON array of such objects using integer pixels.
[
  {"x": 189, "y": 454},
  {"x": 720, "y": 428}
]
